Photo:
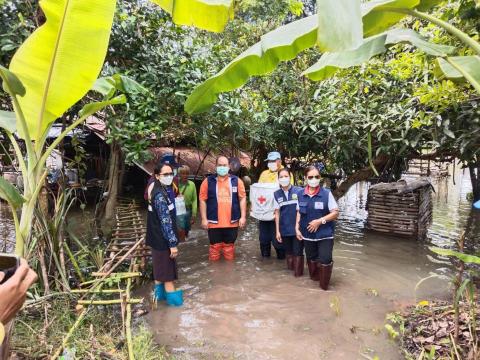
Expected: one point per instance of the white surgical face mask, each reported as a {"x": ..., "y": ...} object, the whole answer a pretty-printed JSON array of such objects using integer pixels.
[
  {"x": 166, "y": 180},
  {"x": 313, "y": 182},
  {"x": 284, "y": 181},
  {"x": 272, "y": 166}
]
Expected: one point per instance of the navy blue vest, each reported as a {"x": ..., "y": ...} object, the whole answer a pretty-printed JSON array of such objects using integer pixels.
[
  {"x": 155, "y": 238},
  {"x": 212, "y": 203},
  {"x": 288, "y": 209},
  {"x": 312, "y": 208}
]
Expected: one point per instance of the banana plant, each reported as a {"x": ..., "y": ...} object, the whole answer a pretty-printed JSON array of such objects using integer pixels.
[
  {"x": 352, "y": 45},
  {"x": 211, "y": 15},
  {"x": 54, "y": 69}
]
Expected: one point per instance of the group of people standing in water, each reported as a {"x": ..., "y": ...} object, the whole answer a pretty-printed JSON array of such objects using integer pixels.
[{"x": 303, "y": 220}]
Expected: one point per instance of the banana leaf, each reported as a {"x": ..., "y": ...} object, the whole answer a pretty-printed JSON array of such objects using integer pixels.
[
  {"x": 471, "y": 259},
  {"x": 61, "y": 60},
  {"x": 339, "y": 25},
  {"x": 211, "y": 15},
  {"x": 10, "y": 194},
  {"x": 330, "y": 63},
  {"x": 459, "y": 68}
]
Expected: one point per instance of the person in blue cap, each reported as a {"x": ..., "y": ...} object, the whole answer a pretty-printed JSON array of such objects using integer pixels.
[{"x": 267, "y": 229}]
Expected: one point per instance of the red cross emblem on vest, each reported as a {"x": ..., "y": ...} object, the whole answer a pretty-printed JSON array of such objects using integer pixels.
[{"x": 261, "y": 200}]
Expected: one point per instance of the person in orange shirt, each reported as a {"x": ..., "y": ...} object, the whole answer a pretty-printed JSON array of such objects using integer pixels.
[{"x": 223, "y": 208}]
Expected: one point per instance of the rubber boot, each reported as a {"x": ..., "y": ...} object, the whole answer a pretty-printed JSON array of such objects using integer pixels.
[
  {"x": 214, "y": 252},
  {"x": 298, "y": 265},
  {"x": 229, "y": 251},
  {"x": 174, "y": 298},
  {"x": 289, "y": 262},
  {"x": 280, "y": 254},
  {"x": 159, "y": 292},
  {"x": 265, "y": 250},
  {"x": 313, "y": 270},
  {"x": 324, "y": 274}
]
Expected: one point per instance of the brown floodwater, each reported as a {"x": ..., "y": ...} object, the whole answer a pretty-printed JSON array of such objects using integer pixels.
[{"x": 255, "y": 309}]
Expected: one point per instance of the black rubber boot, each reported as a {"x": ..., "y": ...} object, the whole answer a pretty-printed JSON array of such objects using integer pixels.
[
  {"x": 324, "y": 274},
  {"x": 313, "y": 270},
  {"x": 265, "y": 250},
  {"x": 289, "y": 262},
  {"x": 280, "y": 254},
  {"x": 298, "y": 265}
]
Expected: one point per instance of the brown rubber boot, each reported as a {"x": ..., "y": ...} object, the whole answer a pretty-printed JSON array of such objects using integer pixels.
[
  {"x": 289, "y": 262},
  {"x": 313, "y": 270},
  {"x": 298, "y": 265},
  {"x": 324, "y": 274}
]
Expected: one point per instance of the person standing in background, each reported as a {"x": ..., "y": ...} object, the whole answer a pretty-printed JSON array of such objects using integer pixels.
[
  {"x": 187, "y": 189},
  {"x": 266, "y": 228}
]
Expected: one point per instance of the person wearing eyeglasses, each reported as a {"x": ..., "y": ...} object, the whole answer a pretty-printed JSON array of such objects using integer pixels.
[
  {"x": 286, "y": 209},
  {"x": 162, "y": 236},
  {"x": 223, "y": 208},
  {"x": 315, "y": 225}
]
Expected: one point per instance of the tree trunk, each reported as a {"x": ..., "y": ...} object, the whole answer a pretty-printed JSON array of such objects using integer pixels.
[
  {"x": 475, "y": 179},
  {"x": 361, "y": 175},
  {"x": 113, "y": 182}
]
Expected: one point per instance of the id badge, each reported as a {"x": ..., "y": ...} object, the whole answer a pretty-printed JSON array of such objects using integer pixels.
[
  {"x": 150, "y": 208},
  {"x": 171, "y": 207},
  {"x": 318, "y": 205},
  {"x": 234, "y": 189}
]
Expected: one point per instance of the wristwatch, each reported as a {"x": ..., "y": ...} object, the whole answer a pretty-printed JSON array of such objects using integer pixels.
[{"x": 323, "y": 221}]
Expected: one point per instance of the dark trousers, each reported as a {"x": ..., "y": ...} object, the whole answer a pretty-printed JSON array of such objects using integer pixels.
[
  {"x": 320, "y": 251},
  {"x": 267, "y": 237},
  {"x": 222, "y": 235},
  {"x": 292, "y": 245}
]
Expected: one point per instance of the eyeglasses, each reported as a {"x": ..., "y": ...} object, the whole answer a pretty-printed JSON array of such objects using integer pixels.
[
  {"x": 313, "y": 177},
  {"x": 167, "y": 174}
]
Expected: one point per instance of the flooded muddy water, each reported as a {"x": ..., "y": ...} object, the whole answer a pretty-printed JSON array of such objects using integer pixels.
[{"x": 255, "y": 309}]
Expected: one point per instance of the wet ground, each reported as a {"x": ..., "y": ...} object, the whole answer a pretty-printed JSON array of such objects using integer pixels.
[{"x": 255, "y": 309}]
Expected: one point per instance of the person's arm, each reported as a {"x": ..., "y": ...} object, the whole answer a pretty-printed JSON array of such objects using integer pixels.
[
  {"x": 194, "y": 201},
  {"x": 297, "y": 227},
  {"x": 14, "y": 291},
  {"x": 242, "y": 194},
  {"x": 277, "y": 223},
  {"x": 203, "y": 203},
  {"x": 166, "y": 223}
]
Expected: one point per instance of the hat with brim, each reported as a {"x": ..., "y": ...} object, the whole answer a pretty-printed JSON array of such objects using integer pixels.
[{"x": 274, "y": 155}]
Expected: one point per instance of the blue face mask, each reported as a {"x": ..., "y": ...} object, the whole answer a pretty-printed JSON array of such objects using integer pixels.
[{"x": 222, "y": 170}]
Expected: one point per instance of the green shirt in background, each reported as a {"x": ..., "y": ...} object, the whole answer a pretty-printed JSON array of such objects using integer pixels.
[{"x": 189, "y": 192}]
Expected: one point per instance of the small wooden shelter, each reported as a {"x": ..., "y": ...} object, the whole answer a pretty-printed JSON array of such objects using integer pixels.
[{"x": 400, "y": 208}]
